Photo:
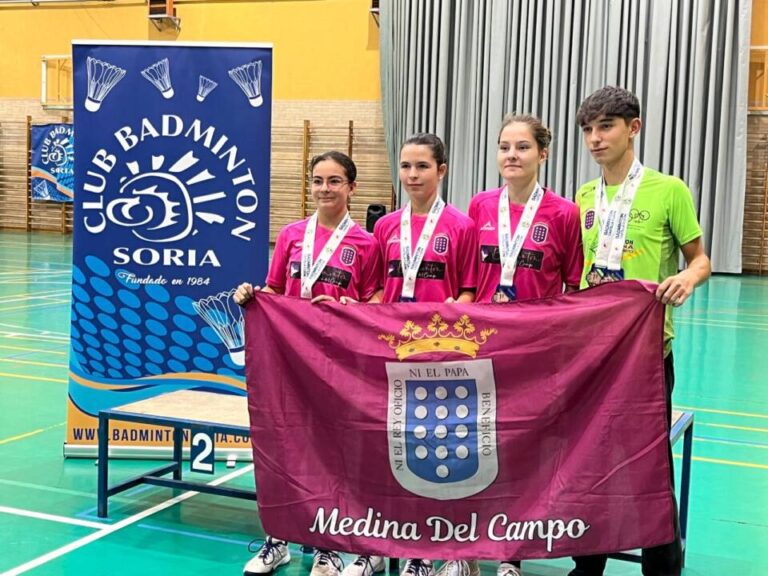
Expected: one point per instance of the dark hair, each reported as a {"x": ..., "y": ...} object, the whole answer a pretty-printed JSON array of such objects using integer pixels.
[
  {"x": 608, "y": 101},
  {"x": 350, "y": 170},
  {"x": 433, "y": 142},
  {"x": 541, "y": 133}
]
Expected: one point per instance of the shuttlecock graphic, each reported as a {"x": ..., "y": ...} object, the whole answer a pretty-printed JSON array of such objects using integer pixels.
[
  {"x": 41, "y": 189},
  {"x": 226, "y": 318},
  {"x": 205, "y": 87},
  {"x": 160, "y": 77},
  {"x": 248, "y": 77},
  {"x": 102, "y": 77}
]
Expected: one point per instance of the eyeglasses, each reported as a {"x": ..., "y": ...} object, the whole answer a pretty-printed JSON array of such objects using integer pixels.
[{"x": 333, "y": 183}]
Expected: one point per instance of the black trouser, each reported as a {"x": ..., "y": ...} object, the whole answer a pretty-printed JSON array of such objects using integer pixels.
[{"x": 664, "y": 560}]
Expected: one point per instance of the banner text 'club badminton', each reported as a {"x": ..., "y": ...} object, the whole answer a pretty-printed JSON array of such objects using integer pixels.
[
  {"x": 530, "y": 430},
  {"x": 171, "y": 213}
]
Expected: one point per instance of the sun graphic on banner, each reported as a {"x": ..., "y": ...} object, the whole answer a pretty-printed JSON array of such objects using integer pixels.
[
  {"x": 158, "y": 204},
  {"x": 59, "y": 152}
]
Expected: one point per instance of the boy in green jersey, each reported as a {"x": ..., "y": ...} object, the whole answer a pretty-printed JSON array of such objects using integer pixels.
[{"x": 635, "y": 221}]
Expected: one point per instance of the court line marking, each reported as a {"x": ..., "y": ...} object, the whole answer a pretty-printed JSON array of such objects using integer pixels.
[
  {"x": 52, "y": 517},
  {"x": 761, "y": 445},
  {"x": 747, "y": 303},
  {"x": 43, "y": 267},
  {"x": 7, "y": 268},
  {"x": 723, "y": 324},
  {"x": 28, "y": 273},
  {"x": 28, "y": 306},
  {"x": 32, "y": 271},
  {"x": 53, "y": 298},
  {"x": 720, "y": 321},
  {"x": 90, "y": 512},
  {"x": 40, "y": 378},
  {"x": 33, "y": 363},
  {"x": 716, "y": 411},
  {"x": 41, "y": 350},
  {"x": 21, "y": 296},
  {"x": 715, "y": 461},
  {"x": 44, "y": 559},
  {"x": 11, "y": 330},
  {"x": 64, "y": 491},
  {"x": 33, "y": 246},
  {"x": 26, "y": 244},
  {"x": 28, "y": 434},
  {"x": 10, "y": 268},
  {"x": 194, "y": 534},
  {"x": 732, "y": 427},
  {"x": 703, "y": 314},
  {"x": 17, "y": 327},
  {"x": 35, "y": 337},
  {"x": 26, "y": 281},
  {"x": 43, "y": 277}
]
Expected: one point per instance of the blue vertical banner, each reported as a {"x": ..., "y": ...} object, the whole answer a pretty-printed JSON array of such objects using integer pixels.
[
  {"x": 52, "y": 162},
  {"x": 171, "y": 213}
]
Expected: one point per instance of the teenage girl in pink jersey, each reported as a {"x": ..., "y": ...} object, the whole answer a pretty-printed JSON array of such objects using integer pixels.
[
  {"x": 529, "y": 237},
  {"x": 428, "y": 248},
  {"x": 298, "y": 267},
  {"x": 529, "y": 241},
  {"x": 349, "y": 271}
]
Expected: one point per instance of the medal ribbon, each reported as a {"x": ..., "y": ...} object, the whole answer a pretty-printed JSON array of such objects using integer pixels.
[
  {"x": 310, "y": 271},
  {"x": 511, "y": 245},
  {"x": 613, "y": 219},
  {"x": 410, "y": 262}
]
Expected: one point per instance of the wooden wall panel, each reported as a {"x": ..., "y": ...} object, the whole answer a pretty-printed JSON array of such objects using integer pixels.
[{"x": 754, "y": 247}]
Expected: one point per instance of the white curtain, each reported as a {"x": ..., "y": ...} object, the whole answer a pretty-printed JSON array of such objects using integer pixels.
[{"x": 456, "y": 67}]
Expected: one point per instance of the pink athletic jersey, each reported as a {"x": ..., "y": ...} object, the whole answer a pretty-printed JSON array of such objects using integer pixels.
[
  {"x": 354, "y": 270},
  {"x": 450, "y": 262},
  {"x": 551, "y": 254}
]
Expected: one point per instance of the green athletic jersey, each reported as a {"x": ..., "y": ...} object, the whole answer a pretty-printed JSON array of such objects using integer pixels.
[{"x": 662, "y": 219}]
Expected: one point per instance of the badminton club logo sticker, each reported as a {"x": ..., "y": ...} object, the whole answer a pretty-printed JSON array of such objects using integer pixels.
[
  {"x": 347, "y": 256},
  {"x": 589, "y": 219},
  {"x": 441, "y": 420}
]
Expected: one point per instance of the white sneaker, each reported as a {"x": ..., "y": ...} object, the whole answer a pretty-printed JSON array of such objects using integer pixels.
[
  {"x": 270, "y": 555},
  {"x": 415, "y": 567},
  {"x": 507, "y": 569},
  {"x": 326, "y": 563},
  {"x": 459, "y": 568},
  {"x": 365, "y": 566}
]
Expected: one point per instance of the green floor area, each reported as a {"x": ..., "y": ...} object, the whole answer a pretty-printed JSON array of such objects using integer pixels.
[{"x": 48, "y": 503}]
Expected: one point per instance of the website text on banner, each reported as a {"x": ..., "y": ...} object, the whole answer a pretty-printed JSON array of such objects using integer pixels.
[{"x": 536, "y": 429}]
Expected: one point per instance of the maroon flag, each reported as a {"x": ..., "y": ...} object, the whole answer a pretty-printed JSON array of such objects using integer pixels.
[{"x": 527, "y": 430}]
